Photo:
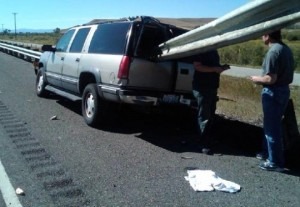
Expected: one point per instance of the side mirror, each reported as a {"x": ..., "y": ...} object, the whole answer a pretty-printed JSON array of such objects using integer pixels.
[{"x": 48, "y": 48}]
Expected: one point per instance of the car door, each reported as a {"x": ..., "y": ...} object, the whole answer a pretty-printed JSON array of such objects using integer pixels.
[
  {"x": 70, "y": 74},
  {"x": 56, "y": 59}
]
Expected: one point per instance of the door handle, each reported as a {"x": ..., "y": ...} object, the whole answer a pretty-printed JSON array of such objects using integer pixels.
[
  {"x": 62, "y": 58},
  {"x": 77, "y": 59}
]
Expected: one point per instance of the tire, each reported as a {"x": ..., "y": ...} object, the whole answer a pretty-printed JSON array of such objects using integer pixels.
[
  {"x": 93, "y": 106},
  {"x": 40, "y": 85}
]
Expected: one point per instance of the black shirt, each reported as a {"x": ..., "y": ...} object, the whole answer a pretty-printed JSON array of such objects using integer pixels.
[{"x": 207, "y": 80}]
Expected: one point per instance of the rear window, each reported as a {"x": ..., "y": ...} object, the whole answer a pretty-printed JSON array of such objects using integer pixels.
[
  {"x": 151, "y": 37},
  {"x": 109, "y": 38}
]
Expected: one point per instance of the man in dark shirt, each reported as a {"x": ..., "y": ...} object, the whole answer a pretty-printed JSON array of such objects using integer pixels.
[{"x": 205, "y": 88}]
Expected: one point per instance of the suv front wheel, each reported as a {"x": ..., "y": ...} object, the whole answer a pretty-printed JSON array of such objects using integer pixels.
[
  {"x": 40, "y": 85},
  {"x": 92, "y": 105}
]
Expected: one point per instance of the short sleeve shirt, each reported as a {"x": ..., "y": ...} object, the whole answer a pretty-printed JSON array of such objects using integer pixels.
[{"x": 279, "y": 60}]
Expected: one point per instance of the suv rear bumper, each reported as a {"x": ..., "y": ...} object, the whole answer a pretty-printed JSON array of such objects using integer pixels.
[{"x": 142, "y": 97}]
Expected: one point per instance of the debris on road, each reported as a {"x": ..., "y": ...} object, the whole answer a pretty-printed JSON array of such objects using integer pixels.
[
  {"x": 207, "y": 180},
  {"x": 186, "y": 157},
  {"x": 19, "y": 191},
  {"x": 54, "y": 118}
]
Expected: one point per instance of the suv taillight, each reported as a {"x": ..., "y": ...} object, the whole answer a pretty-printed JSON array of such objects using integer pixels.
[{"x": 124, "y": 67}]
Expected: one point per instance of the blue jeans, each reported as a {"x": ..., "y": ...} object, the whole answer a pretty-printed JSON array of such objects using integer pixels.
[
  {"x": 274, "y": 103},
  {"x": 206, "y": 100}
]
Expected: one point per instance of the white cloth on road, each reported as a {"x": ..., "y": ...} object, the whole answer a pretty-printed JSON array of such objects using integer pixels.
[{"x": 207, "y": 180}]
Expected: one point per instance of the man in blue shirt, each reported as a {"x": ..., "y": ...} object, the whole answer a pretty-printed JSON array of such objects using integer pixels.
[{"x": 277, "y": 74}]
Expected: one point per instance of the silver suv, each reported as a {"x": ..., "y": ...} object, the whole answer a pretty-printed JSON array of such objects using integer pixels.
[{"x": 114, "y": 61}]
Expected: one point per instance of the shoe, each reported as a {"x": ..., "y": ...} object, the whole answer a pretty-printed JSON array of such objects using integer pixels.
[
  {"x": 269, "y": 167},
  {"x": 261, "y": 156}
]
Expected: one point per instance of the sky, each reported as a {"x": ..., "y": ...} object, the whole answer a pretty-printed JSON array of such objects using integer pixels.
[{"x": 51, "y": 14}]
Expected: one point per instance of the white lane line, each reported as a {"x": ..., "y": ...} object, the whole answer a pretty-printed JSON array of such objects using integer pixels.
[{"x": 8, "y": 192}]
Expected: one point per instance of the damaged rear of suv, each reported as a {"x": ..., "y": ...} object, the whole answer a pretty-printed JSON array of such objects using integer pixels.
[{"x": 114, "y": 62}]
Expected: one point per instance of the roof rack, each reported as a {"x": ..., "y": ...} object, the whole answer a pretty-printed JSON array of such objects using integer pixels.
[
  {"x": 149, "y": 19},
  {"x": 125, "y": 19},
  {"x": 99, "y": 21}
]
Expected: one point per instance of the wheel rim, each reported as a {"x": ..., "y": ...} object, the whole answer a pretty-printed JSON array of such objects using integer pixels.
[
  {"x": 90, "y": 105},
  {"x": 40, "y": 83}
]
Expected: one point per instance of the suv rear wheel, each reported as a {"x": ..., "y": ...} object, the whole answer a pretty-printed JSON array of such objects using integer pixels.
[{"x": 92, "y": 105}]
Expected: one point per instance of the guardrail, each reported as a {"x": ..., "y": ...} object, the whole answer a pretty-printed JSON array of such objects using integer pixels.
[
  {"x": 27, "y": 51},
  {"x": 245, "y": 23},
  {"x": 32, "y": 46}
]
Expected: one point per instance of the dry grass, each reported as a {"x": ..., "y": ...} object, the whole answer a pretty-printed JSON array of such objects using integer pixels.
[{"x": 240, "y": 99}]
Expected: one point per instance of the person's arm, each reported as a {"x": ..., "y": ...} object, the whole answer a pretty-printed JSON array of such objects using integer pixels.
[
  {"x": 267, "y": 79},
  {"x": 208, "y": 69}
]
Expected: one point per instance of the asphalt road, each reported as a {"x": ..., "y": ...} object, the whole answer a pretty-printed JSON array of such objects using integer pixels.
[{"x": 135, "y": 159}]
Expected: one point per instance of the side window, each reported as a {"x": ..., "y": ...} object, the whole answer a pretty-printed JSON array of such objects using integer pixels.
[
  {"x": 63, "y": 42},
  {"x": 110, "y": 38},
  {"x": 79, "y": 40}
]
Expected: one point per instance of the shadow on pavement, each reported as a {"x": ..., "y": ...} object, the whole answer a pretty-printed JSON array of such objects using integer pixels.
[{"x": 174, "y": 129}]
